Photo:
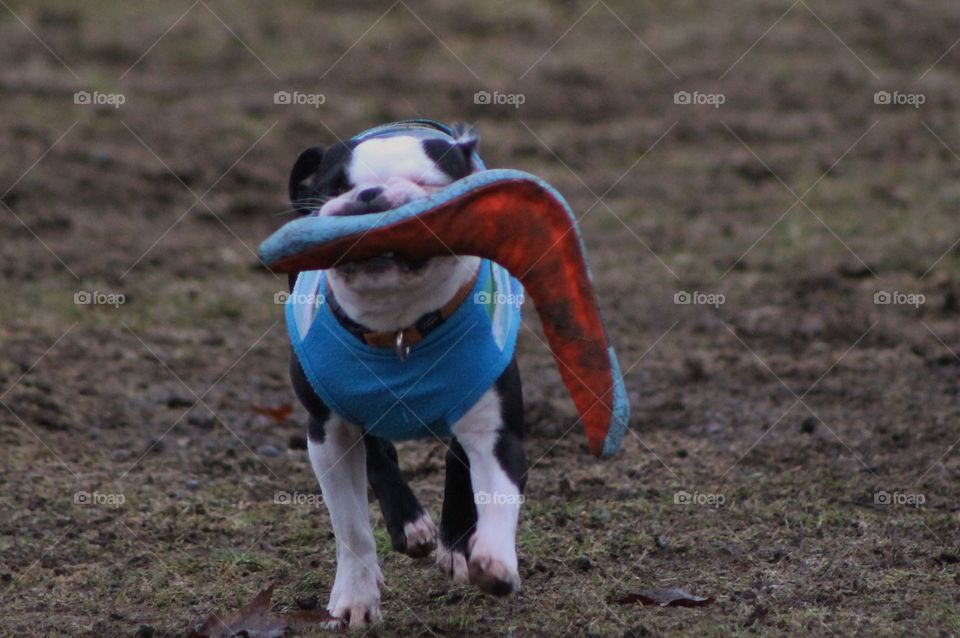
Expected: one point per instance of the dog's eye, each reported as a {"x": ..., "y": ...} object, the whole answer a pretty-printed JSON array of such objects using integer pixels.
[
  {"x": 341, "y": 183},
  {"x": 336, "y": 186}
]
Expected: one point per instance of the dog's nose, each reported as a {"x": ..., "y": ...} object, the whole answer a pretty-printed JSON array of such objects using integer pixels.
[{"x": 367, "y": 195}]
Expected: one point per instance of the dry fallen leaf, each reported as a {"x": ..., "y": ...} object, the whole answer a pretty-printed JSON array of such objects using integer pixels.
[
  {"x": 279, "y": 413},
  {"x": 255, "y": 620},
  {"x": 665, "y": 597}
]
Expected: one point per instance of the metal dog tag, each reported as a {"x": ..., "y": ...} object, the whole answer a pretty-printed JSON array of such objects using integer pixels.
[{"x": 402, "y": 349}]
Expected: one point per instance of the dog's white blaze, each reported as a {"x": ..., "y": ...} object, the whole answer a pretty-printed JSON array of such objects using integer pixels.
[
  {"x": 341, "y": 467},
  {"x": 377, "y": 160},
  {"x": 497, "y": 497}
]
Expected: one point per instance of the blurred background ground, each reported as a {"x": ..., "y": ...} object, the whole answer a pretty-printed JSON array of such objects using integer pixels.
[{"x": 823, "y": 421}]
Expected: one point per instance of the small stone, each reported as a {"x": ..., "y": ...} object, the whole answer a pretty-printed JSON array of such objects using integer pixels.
[
  {"x": 714, "y": 427},
  {"x": 121, "y": 455},
  {"x": 174, "y": 401},
  {"x": 201, "y": 417},
  {"x": 695, "y": 369},
  {"x": 268, "y": 451},
  {"x": 213, "y": 339},
  {"x": 453, "y": 599},
  {"x": 950, "y": 301},
  {"x": 949, "y": 558},
  {"x": 307, "y": 603},
  {"x": 193, "y": 485}
]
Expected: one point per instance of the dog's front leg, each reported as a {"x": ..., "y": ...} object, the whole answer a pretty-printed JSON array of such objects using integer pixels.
[
  {"x": 497, "y": 474},
  {"x": 339, "y": 460}
]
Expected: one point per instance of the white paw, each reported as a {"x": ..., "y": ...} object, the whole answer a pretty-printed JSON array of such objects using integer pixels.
[
  {"x": 421, "y": 537},
  {"x": 453, "y": 564},
  {"x": 491, "y": 569},
  {"x": 354, "y": 611},
  {"x": 355, "y": 598}
]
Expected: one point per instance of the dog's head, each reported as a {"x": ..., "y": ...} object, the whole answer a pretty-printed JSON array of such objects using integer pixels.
[
  {"x": 378, "y": 171},
  {"x": 382, "y": 170}
]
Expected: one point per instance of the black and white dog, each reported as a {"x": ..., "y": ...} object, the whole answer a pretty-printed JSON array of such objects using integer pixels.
[{"x": 384, "y": 301}]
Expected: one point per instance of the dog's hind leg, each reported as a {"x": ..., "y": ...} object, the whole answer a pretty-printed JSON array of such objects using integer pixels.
[
  {"x": 459, "y": 517},
  {"x": 337, "y": 455},
  {"x": 410, "y": 528}
]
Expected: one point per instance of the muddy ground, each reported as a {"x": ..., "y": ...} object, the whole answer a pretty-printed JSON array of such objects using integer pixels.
[{"x": 813, "y": 429}]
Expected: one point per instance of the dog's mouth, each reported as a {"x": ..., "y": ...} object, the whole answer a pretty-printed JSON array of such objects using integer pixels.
[
  {"x": 383, "y": 263},
  {"x": 377, "y": 200}
]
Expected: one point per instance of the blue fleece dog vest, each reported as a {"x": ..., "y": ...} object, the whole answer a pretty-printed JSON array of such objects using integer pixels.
[{"x": 442, "y": 377}]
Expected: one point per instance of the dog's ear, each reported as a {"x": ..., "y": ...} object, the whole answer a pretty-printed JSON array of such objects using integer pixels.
[
  {"x": 466, "y": 140},
  {"x": 301, "y": 178},
  {"x": 455, "y": 158}
]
